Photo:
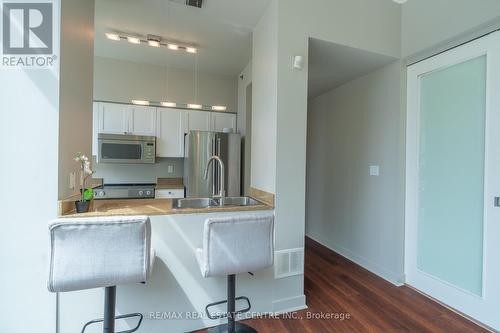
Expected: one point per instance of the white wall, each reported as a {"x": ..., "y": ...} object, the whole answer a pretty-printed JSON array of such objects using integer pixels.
[
  {"x": 29, "y": 105},
  {"x": 429, "y": 23},
  {"x": 350, "y": 128},
  {"x": 280, "y": 100},
  {"x": 264, "y": 100},
  {"x": 245, "y": 122},
  {"x": 139, "y": 173},
  {"x": 75, "y": 104},
  {"x": 121, "y": 81}
]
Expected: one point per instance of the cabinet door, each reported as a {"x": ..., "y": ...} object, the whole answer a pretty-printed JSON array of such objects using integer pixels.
[
  {"x": 114, "y": 118},
  {"x": 170, "y": 134},
  {"x": 143, "y": 120},
  {"x": 169, "y": 194},
  {"x": 223, "y": 120},
  {"x": 199, "y": 121}
]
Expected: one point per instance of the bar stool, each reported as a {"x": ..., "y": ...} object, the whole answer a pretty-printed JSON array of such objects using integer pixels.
[
  {"x": 100, "y": 252},
  {"x": 232, "y": 246}
]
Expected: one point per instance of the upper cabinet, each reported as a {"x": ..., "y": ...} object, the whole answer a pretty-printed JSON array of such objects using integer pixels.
[
  {"x": 198, "y": 121},
  {"x": 126, "y": 119},
  {"x": 170, "y": 132},
  {"x": 220, "y": 121},
  {"x": 142, "y": 120},
  {"x": 113, "y": 118}
]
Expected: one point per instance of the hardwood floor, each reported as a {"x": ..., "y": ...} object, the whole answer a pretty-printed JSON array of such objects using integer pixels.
[{"x": 335, "y": 285}]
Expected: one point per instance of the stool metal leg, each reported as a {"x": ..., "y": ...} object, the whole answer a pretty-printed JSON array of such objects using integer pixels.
[
  {"x": 231, "y": 326},
  {"x": 231, "y": 302},
  {"x": 109, "y": 310}
]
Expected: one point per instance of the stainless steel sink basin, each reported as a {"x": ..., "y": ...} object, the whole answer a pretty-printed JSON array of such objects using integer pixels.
[
  {"x": 193, "y": 203},
  {"x": 209, "y": 202},
  {"x": 239, "y": 201}
]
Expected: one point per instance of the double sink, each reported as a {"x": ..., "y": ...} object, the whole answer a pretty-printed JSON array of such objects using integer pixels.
[{"x": 213, "y": 202}]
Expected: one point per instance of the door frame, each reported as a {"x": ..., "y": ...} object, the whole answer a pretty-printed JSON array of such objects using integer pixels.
[{"x": 462, "y": 300}]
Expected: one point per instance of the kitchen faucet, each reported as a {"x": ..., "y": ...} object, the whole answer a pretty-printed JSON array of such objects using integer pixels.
[{"x": 222, "y": 192}]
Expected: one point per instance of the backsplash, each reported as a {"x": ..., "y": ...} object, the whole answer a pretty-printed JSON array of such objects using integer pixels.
[{"x": 138, "y": 173}]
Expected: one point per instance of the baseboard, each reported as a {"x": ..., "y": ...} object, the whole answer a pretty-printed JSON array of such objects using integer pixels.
[
  {"x": 394, "y": 278},
  {"x": 290, "y": 304}
]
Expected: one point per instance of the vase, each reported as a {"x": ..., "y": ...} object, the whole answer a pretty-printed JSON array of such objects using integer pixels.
[{"x": 82, "y": 206}]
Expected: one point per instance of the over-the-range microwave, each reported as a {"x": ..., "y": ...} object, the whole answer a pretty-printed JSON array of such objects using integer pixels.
[{"x": 124, "y": 148}]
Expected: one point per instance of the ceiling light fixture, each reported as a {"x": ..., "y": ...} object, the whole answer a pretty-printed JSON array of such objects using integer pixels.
[
  {"x": 399, "y": 1},
  {"x": 154, "y": 41},
  {"x": 174, "y": 47},
  {"x": 140, "y": 102},
  {"x": 195, "y": 106},
  {"x": 112, "y": 36},
  {"x": 219, "y": 108},
  {"x": 133, "y": 40},
  {"x": 169, "y": 104}
]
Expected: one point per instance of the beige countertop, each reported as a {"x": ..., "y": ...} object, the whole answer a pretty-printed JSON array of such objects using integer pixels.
[{"x": 144, "y": 207}]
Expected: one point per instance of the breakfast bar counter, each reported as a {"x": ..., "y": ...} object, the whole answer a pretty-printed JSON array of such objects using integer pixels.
[{"x": 149, "y": 207}]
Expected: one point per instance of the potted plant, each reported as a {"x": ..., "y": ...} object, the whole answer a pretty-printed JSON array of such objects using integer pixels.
[{"x": 82, "y": 205}]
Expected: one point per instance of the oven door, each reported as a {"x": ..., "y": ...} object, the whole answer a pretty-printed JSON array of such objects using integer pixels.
[{"x": 120, "y": 151}]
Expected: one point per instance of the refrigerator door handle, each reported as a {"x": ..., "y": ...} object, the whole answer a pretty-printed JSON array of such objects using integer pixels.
[{"x": 214, "y": 169}]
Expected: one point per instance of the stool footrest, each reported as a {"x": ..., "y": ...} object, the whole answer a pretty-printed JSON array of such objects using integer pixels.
[
  {"x": 225, "y": 315},
  {"x": 130, "y": 315}
]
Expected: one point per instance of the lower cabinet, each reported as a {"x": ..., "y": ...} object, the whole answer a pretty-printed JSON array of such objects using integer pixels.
[{"x": 169, "y": 193}]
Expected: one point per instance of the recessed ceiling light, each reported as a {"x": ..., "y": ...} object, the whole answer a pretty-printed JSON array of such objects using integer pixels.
[
  {"x": 112, "y": 36},
  {"x": 133, "y": 40}
]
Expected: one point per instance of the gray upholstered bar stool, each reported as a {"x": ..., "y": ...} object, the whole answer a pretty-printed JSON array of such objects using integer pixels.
[
  {"x": 232, "y": 246},
  {"x": 100, "y": 252}
]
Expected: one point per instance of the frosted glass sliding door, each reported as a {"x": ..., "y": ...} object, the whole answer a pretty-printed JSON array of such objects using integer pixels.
[
  {"x": 452, "y": 237},
  {"x": 451, "y": 174}
]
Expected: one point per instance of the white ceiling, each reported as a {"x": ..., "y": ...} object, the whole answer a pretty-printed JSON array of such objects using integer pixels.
[
  {"x": 222, "y": 29},
  {"x": 331, "y": 65}
]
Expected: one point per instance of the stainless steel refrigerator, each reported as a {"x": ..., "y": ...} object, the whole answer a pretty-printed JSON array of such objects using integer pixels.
[{"x": 199, "y": 147}]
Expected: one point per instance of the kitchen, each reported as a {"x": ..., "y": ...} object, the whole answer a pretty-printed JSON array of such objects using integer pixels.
[
  {"x": 230, "y": 165},
  {"x": 166, "y": 143}
]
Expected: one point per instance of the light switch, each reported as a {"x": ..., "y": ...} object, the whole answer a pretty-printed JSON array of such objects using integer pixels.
[
  {"x": 170, "y": 169},
  {"x": 374, "y": 170},
  {"x": 72, "y": 180}
]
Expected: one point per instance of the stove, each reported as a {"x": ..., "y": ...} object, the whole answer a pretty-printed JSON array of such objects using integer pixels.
[{"x": 124, "y": 191}]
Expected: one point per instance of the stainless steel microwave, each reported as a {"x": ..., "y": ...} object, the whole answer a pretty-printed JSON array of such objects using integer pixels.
[{"x": 120, "y": 148}]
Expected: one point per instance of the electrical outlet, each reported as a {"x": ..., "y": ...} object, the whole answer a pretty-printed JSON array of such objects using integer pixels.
[
  {"x": 72, "y": 180},
  {"x": 374, "y": 170},
  {"x": 170, "y": 169}
]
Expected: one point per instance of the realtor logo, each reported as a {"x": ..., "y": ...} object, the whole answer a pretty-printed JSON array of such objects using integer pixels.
[{"x": 27, "y": 29}]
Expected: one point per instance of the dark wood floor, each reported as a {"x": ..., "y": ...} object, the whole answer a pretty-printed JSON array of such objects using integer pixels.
[{"x": 335, "y": 285}]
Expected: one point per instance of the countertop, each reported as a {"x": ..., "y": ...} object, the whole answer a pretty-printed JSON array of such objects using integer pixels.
[{"x": 147, "y": 207}]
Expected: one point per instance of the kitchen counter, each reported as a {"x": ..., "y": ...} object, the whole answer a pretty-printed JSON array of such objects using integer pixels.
[{"x": 147, "y": 207}]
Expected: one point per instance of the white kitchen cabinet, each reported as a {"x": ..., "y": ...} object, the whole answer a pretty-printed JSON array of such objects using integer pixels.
[
  {"x": 142, "y": 120},
  {"x": 114, "y": 118},
  {"x": 170, "y": 132},
  {"x": 220, "y": 120},
  {"x": 198, "y": 121},
  {"x": 169, "y": 193}
]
